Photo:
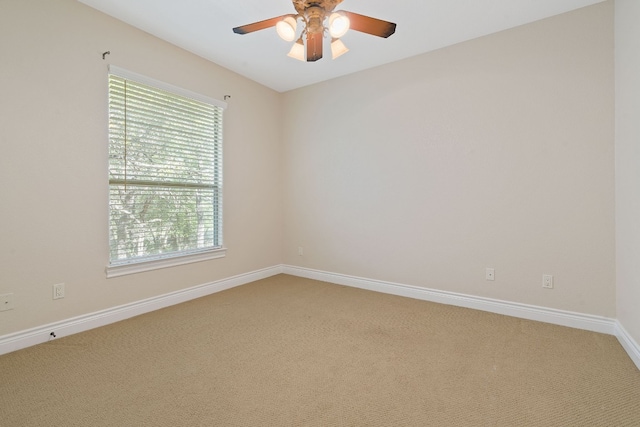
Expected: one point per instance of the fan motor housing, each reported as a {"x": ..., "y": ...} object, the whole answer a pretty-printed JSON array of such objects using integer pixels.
[
  {"x": 302, "y": 6},
  {"x": 314, "y": 16}
]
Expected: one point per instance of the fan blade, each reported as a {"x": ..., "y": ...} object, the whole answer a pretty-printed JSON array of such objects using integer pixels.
[
  {"x": 256, "y": 26},
  {"x": 314, "y": 46},
  {"x": 369, "y": 25}
]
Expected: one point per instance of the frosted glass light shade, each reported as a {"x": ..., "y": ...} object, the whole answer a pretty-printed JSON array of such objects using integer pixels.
[
  {"x": 297, "y": 50},
  {"x": 338, "y": 48},
  {"x": 286, "y": 28},
  {"x": 338, "y": 25}
]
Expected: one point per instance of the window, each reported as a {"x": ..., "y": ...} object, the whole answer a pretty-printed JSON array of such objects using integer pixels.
[{"x": 165, "y": 175}]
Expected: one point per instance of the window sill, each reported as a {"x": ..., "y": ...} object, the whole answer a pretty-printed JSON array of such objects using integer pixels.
[{"x": 141, "y": 266}]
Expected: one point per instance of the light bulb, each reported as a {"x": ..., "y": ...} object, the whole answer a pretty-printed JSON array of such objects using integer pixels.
[
  {"x": 338, "y": 25},
  {"x": 287, "y": 28}
]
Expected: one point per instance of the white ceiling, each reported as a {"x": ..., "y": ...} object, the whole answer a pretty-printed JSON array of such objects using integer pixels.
[{"x": 204, "y": 27}]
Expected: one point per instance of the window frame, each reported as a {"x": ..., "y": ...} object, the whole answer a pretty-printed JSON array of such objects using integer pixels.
[{"x": 153, "y": 262}]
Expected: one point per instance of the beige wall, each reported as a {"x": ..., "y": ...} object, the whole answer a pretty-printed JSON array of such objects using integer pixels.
[
  {"x": 497, "y": 152},
  {"x": 53, "y": 166},
  {"x": 627, "y": 35}
]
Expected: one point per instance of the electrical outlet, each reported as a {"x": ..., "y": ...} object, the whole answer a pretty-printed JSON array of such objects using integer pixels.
[
  {"x": 6, "y": 302},
  {"x": 547, "y": 281},
  {"x": 58, "y": 291},
  {"x": 300, "y": 251},
  {"x": 490, "y": 274}
]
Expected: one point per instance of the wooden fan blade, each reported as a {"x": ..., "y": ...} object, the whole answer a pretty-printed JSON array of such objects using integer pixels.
[
  {"x": 256, "y": 26},
  {"x": 369, "y": 25},
  {"x": 314, "y": 46}
]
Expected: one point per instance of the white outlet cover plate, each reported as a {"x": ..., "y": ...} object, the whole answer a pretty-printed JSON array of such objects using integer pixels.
[{"x": 58, "y": 291}]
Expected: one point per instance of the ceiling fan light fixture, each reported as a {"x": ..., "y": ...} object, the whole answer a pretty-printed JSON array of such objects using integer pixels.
[
  {"x": 297, "y": 50},
  {"x": 318, "y": 20},
  {"x": 338, "y": 25},
  {"x": 338, "y": 48},
  {"x": 286, "y": 28}
]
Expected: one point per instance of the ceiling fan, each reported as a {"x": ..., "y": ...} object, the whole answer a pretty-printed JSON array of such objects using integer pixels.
[{"x": 313, "y": 14}]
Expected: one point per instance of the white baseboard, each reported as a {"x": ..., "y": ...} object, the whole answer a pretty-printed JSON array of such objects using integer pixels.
[
  {"x": 628, "y": 343},
  {"x": 41, "y": 334},
  {"x": 542, "y": 314}
]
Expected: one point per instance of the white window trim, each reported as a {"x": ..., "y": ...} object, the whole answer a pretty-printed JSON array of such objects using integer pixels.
[
  {"x": 130, "y": 75},
  {"x": 138, "y": 266}
]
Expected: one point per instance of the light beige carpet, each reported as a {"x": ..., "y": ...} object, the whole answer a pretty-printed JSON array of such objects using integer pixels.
[{"x": 286, "y": 351}]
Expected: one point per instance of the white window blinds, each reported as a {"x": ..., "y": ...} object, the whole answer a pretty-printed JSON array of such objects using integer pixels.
[{"x": 165, "y": 170}]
